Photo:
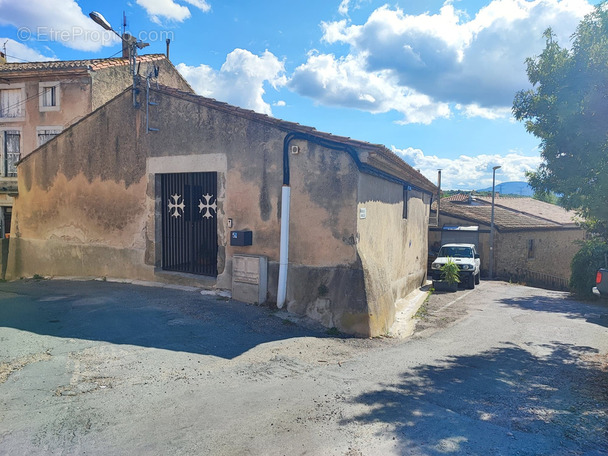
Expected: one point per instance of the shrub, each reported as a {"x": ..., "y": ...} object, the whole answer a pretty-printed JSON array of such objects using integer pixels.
[
  {"x": 449, "y": 272},
  {"x": 585, "y": 262}
]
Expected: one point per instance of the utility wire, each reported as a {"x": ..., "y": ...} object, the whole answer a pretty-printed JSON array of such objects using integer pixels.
[{"x": 22, "y": 102}]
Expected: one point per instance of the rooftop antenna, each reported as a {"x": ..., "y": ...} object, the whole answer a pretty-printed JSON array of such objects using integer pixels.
[{"x": 124, "y": 22}]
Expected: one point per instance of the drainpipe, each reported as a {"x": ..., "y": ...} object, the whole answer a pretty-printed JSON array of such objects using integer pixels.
[
  {"x": 284, "y": 249},
  {"x": 284, "y": 245}
]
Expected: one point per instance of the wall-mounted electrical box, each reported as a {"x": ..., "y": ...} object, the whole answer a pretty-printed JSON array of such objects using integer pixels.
[
  {"x": 241, "y": 237},
  {"x": 249, "y": 278}
]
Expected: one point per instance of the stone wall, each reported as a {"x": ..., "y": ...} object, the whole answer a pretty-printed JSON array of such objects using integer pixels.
[
  {"x": 552, "y": 254},
  {"x": 553, "y": 249}
]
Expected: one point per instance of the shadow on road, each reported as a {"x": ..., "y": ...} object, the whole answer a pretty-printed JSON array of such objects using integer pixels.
[
  {"x": 143, "y": 316},
  {"x": 504, "y": 401},
  {"x": 592, "y": 312}
]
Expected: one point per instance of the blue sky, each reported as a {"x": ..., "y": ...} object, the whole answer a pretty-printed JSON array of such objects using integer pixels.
[{"x": 434, "y": 81}]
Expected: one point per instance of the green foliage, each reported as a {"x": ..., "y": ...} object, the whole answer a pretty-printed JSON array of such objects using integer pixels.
[
  {"x": 568, "y": 111},
  {"x": 587, "y": 260},
  {"x": 544, "y": 195},
  {"x": 449, "y": 272},
  {"x": 547, "y": 197}
]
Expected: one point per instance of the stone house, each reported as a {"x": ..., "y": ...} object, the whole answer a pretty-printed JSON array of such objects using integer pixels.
[
  {"x": 38, "y": 100},
  {"x": 534, "y": 241},
  {"x": 178, "y": 190}
]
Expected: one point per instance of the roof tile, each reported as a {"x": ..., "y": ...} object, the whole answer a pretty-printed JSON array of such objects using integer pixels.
[{"x": 68, "y": 65}]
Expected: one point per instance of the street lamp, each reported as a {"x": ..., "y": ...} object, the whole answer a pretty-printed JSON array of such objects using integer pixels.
[
  {"x": 133, "y": 45},
  {"x": 492, "y": 223}
]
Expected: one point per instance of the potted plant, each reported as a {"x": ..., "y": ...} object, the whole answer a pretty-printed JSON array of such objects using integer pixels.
[{"x": 450, "y": 277}]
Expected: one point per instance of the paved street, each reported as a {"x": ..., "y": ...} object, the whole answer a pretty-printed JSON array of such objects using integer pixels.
[{"x": 104, "y": 368}]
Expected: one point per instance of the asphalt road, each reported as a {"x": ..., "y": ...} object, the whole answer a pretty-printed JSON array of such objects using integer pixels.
[{"x": 103, "y": 368}]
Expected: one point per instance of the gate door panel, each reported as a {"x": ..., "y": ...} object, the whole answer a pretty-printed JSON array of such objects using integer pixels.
[{"x": 189, "y": 218}]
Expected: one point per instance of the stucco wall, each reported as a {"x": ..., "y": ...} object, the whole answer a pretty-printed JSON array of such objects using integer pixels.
[
  {"x": 82, "y": 203},
  {"x": 553, "y": 252},
  {"x": 89, "y": 205},
  {"x": 74, "y": 102},
  {"x": 109, "y": 82},
  {"x": 324, "y": 278},
  {"x": 392, "y": 249}
]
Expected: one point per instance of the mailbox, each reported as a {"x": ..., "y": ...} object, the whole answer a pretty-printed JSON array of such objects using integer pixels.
[{"x": 241, "y": 238}]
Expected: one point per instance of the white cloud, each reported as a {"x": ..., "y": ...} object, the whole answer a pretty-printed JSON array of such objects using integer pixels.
[
  {"x": 474, "y": 110},
  {"x": 280, "y": 103},
  {"x": 200, "y": 4},
  {"x": 55, "y": 20},
  {"x": 169, "y": 9},
  {"x": 470, "y": 172},
  {"x": 343, "y": 8},
  {"x": 346, "y": 5},
  {"x": 344, "y": 82},
  {"x": 240, "y": 81},
  {"x": 448, "y": 57},
  {"x": 19, "y": 52}
]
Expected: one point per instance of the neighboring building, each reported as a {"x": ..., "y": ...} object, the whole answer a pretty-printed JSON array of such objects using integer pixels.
[
  {"x": 110, "y": 197},
  {"x": 534, "y": 241},
  {"x": 38, "y": 100}
]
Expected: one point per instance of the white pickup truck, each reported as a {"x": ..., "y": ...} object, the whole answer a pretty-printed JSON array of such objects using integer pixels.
[{"x": 467, "y": 259}]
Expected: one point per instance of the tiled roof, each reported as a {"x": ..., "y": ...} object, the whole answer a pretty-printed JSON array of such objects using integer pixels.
[
  {"x": 533, "y": 207},
  {"x": 73, "y": 65},
  {"x": 504, "y": 218},
  {"x": 458, "y": 197},
  {"x": 395, "y": 162}
]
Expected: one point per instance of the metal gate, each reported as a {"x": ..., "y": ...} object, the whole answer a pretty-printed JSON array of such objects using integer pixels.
[{"x": 189, "y": 223}]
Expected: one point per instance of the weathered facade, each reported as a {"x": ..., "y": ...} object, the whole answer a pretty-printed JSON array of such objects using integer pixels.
[
  {"x": 38, "y": 100},
  {"x": 534, "y": 241},
  {"x": 100, "y": 200}
]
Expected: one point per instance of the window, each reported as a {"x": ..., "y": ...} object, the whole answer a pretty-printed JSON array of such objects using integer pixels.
[
  {"x": 12, "y": 103},
  {"x": 46, "y": 133},
  {"x": 49, "y": 96},
  {"x": 530, "y": 249},
  {"x": 11, "y": 152},
  {"x": 406, "y": 197}
]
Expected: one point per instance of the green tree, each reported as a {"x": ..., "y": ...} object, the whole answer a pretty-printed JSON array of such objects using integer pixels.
[
  {"x": 567, "y": 109},
  {"x": 587, "y": 260}
]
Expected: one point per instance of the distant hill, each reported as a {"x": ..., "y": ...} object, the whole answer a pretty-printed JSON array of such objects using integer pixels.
[{"x": 511, "y": 188}]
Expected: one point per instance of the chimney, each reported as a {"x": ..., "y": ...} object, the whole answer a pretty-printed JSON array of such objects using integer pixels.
[
  {"x": 126, "y": 39},
  {"x": 2, "y": 58},
  {"x": 168, "y": 41}
]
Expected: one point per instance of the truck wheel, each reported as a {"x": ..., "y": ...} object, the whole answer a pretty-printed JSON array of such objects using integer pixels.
[
  {"x": 478, "y": 278},
  {"x": 471, "y": 282}
]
